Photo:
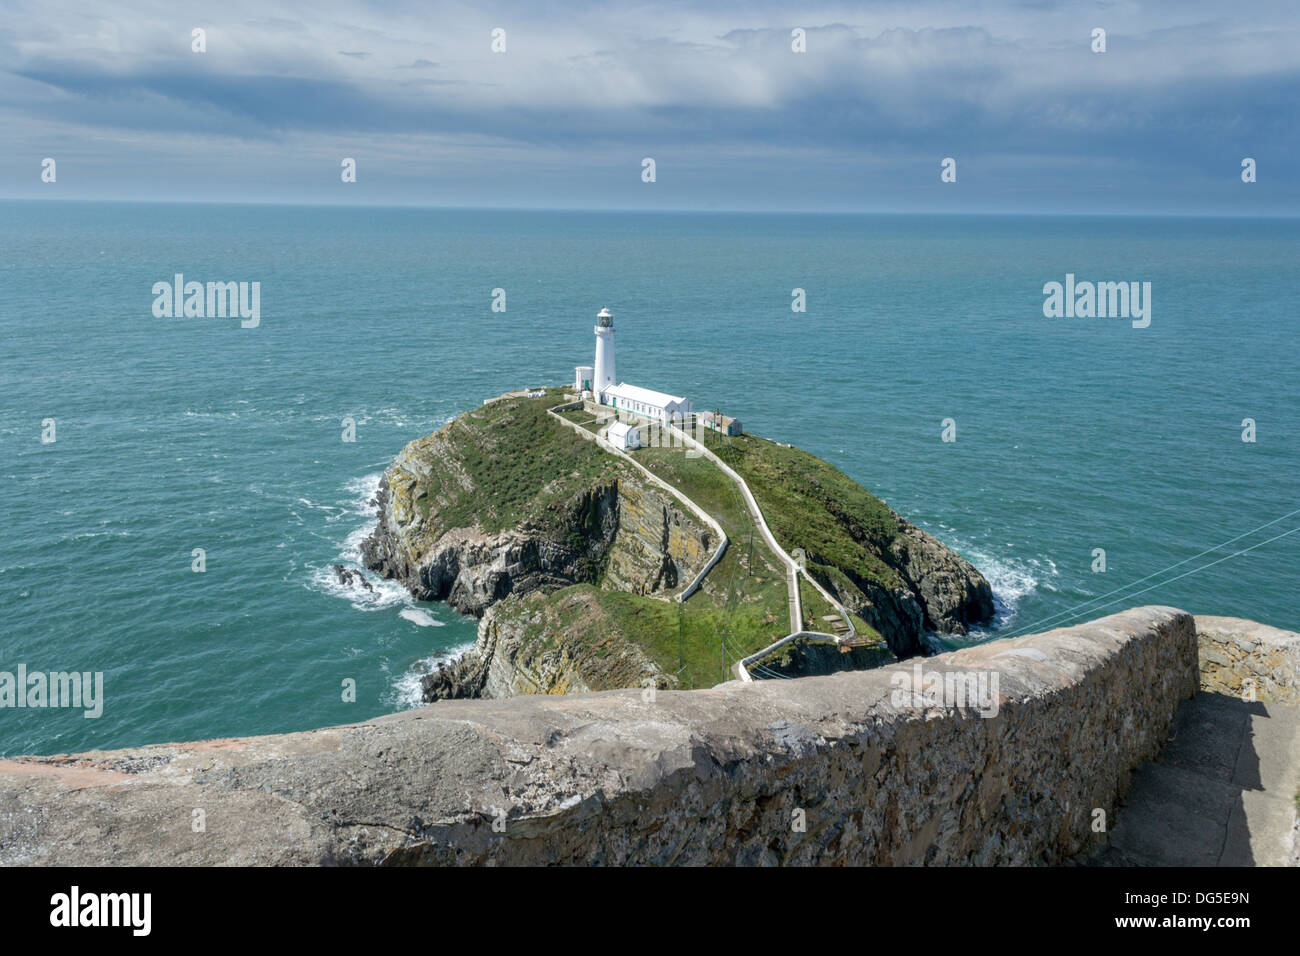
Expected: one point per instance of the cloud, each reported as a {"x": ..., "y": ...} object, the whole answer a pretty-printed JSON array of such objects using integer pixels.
[{"x": 1178, "y": 92}]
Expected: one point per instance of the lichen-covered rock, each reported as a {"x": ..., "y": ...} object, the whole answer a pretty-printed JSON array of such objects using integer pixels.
[
  {"x": 470, "y": 569},
  {"x": 535, "y": 645},
  {"x": 659, "y": 546},
  {"x": 634, "y": 534},
  {"x": 951, "y": 594}
]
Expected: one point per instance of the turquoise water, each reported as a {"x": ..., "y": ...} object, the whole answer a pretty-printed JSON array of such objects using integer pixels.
[{"x": 176, "y": 434}]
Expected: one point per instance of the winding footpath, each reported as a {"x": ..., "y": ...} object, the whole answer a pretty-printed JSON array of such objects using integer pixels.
[
  {"x": 699, "y": 512},
  {"x": 793, "y": 569}
]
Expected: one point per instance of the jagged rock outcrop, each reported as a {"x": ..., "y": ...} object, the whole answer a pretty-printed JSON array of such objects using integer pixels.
[
  {"x": 947, "y": 589},
  {"x": 583, "y": 651},
  {"x": 935, "y": 589},
  {"x": 623, "y": 528},
  {"x": 579, "y": 516},
  {"x": 471, "y": 570}
]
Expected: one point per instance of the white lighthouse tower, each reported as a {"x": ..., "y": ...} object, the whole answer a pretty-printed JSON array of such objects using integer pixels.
[{"x": 604, "y": 370}]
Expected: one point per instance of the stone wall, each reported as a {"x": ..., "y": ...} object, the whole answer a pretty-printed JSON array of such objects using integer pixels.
[
  {"x": 1249, "y": 660},
  {"x": 852, "y": 768}
]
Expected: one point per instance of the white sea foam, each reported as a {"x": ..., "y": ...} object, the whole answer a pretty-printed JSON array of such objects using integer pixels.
[
  {"x": 1012, "y": 579},
  {"x": 408, "y": 689},
  {"x": 360, "y": 500},
  {"x": 379, "y": 595},
  {"x": 418, "y": 617},
  {"x": 369, "y": 592},
  {"x": 366, "y": 591}
]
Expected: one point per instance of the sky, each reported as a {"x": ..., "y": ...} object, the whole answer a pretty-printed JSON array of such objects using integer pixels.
[{"x": 733, "y": 117}]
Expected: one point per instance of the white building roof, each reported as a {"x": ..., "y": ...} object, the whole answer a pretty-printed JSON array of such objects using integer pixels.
[
  {"x": 618, "y": 431},
  {"x": 648, "y": 396}
]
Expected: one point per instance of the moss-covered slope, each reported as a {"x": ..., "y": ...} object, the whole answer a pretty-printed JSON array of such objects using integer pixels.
[
  {"x": 899, "y": 578},
  {"x": 574, "y": 558}
]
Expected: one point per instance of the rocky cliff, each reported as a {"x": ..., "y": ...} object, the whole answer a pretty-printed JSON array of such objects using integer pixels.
[
  {"x": 941, "y": 591},
  {"x": 475, "y": 512},
  {"x": 510, "y": 516},
  {"x": 502, "y": 503},
  {"x": 535, "y": 645}
]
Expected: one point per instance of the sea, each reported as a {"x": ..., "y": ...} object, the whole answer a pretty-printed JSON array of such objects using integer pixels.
[{"x": 175, "y": 491}]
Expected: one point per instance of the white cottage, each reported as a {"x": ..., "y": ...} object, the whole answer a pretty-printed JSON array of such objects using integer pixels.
[
  {"x": 624, "y": 436},
  {"x": 647, "y": 402}
]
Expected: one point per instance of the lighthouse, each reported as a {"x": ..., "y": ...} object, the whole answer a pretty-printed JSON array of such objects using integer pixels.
[
  {"x": 628, "y": 400},
  {"x": 604, "y": 369}
]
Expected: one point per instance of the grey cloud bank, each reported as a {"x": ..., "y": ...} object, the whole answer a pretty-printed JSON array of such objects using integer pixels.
[{"x": 734, "y": 119}]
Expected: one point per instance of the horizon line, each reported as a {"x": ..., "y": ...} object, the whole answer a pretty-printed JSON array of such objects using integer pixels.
[{"x": 684, "y": 210}]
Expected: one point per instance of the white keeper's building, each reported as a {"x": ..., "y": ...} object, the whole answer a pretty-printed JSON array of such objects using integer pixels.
[
  {"x": 624, "y": 435},
  {"x": 598, "y": 379}
]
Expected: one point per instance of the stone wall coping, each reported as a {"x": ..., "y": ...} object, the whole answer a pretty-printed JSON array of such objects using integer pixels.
[{"x": 623, "y": 776}]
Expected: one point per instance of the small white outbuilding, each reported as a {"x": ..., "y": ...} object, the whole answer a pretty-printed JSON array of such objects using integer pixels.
[{"x": 624, "y": 436}]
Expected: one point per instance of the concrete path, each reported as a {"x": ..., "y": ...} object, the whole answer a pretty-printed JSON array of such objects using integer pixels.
[
  {"x": 699, "y": 512},
  {"x": 792, "y": 567},
  {"x": 847, "y": 635},
  {"x": 1221, "y": 793}
]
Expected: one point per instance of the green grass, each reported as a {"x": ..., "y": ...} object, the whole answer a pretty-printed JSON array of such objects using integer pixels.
[
  {"x": 522, "y": 465},
  {"x": 701, "y": 481},
  {"x": 745, "y": 594},
  {"x": 686, "y": 639},
  {"x": 767, "y": 467},
  {"x": 866, "y": 630},
  {"x": 810, "y": 504},
  {"x": 815, "y": 608}
]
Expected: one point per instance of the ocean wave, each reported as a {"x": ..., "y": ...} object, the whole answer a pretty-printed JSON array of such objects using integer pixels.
[
  {"x": 360, "y": 496},
  {"x": 407, "y": 690},
  {"x": 1012, "y": 579},
  {"x": 364, "y": 591},
  {"x": 419, "y": 617}
]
